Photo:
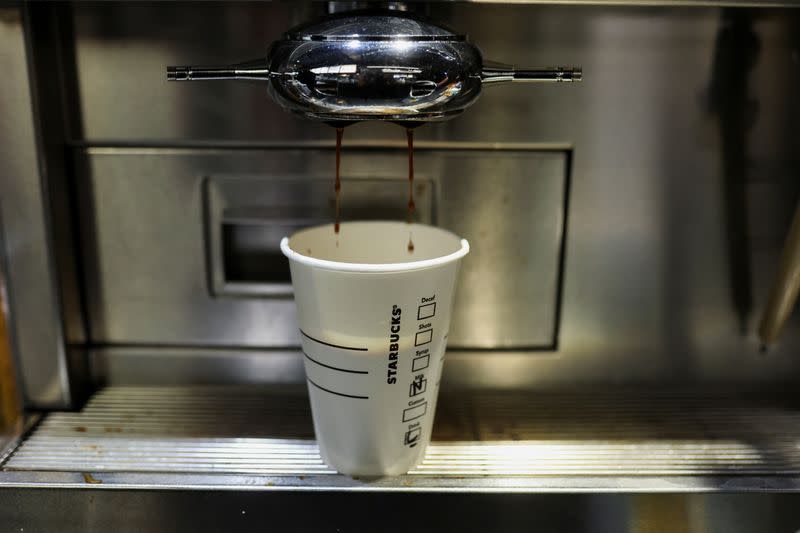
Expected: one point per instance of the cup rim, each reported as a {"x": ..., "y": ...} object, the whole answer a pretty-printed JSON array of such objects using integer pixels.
[{"x": 376, "y": 267}]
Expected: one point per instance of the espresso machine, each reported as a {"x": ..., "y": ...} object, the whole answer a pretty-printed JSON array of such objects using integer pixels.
[{"x": 622, "y": 354}]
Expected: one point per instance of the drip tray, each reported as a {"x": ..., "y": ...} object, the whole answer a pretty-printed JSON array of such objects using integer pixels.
[{"x": 255, "y": 438}]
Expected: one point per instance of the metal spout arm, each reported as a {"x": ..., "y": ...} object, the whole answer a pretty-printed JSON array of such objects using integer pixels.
[
  {"x": 496, "y": 73},
  {"x": 250, "y": 70}
]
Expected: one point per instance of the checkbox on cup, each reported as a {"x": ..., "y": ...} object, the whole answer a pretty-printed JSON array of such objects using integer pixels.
[
  {"x": 423, "y": 337},
  {"x": 412, "y": 413},
  {"x": 426, "y": 311},
  {"x": 420, "y": 363}
]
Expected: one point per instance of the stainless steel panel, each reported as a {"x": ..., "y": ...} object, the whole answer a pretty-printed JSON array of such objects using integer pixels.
[
  {"x": 650, "y": 292},
  {"x": 143, "y": 211},
  {"x": 35, "y": 315},
  {"x": 510, "y": 206},
  {"x": 125, "y": 97},
  {"x": 135, "y": 48},
  {"x": 232, "y": 437}
]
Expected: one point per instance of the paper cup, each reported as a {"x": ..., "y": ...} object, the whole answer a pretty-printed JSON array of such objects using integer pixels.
[{"x": 374, "y": 319}]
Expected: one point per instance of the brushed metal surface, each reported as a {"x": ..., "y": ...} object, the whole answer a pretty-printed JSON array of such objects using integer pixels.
[
  {"x": 649, "y": 292},
  {"x": 35, "y": 314},
  {"x": 142, "y": 215},
  {"x": 668, "y": 440}
]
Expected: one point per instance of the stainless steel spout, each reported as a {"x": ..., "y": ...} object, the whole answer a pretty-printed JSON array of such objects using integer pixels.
[{"x": 374, "y": 65}]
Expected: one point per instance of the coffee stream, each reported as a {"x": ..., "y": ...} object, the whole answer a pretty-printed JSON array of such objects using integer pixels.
[
  {"x": 410, "y": 138},
  {"x": 338, "y": 184},
  {"x": 411, "y": 206}
]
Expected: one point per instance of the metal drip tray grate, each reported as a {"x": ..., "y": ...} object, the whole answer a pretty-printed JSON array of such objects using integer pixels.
[{"x": 230, "y": 437}]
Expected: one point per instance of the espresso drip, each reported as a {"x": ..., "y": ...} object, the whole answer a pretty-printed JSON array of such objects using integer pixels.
[
  {"x": 338, "y": 184},
  {"x": 411, "y": 206}
]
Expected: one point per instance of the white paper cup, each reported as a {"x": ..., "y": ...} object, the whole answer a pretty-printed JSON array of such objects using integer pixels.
[{"x": 374, "y": 319}]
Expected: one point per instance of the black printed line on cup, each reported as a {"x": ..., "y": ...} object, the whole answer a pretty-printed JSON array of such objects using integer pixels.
[
  {"x": 306, "y": 335},
  {"x": 337, "y": 393},
  {"x": 320, "y": 363}
]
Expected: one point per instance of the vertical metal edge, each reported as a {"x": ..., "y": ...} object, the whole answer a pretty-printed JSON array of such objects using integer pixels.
[
  {"x": 35, "y": 319},
  {"x": 215, "y": 278},
  {"x": 57, "y": 117},
  {"x": 41, "y": 24},
  {"x": 562, "y": 249}
]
